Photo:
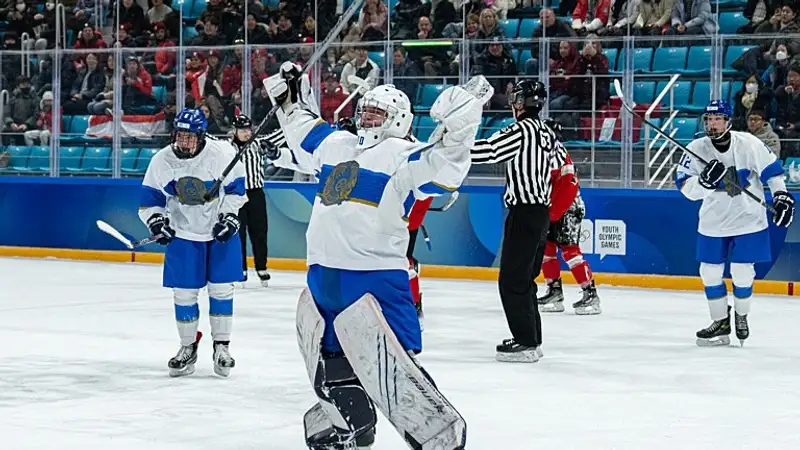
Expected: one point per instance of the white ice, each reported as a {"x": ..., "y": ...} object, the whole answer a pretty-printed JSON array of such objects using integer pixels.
[{"x": 84, "y": 348}]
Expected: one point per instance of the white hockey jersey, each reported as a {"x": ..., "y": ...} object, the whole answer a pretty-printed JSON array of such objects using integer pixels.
[
  {"x": 175, "y": 188},
  {"x": 721, "y": 214},
  {"x": 360, "y": 216}
]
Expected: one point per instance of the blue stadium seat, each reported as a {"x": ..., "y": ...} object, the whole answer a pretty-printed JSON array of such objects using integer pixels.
[
  {"x": 669, "y": 59},
  {"x": 425, "y": 127},
  {"x": 687, "y": 127},
  {"x": 524, "y": 56},
  {"x": 701, "y": 95},
  {"x": 644, "y": 92},
  {"x": 18, "y": 158},
  {"x": 378, "y": 58},
  {"x": 97, "y": 160},
  {"x": 611, "y": 54},
  {"x": 39, "y": 160},
  {"x": 496, "y": 124},
  {"x": 730, "y": 89},
  {"x": 642, "y": 58},
  {"x": 526, "y": 27},
  {"x": 681, "y": 91},
  {"x": 128, "y": 158},
  {"x": 145, "y": 155},
  {"x": 427, "y": 95},
  {"x": 699, "y": 61},
  {"x": 732, "y": 53},
  {"x": 70, "y": 159},
  {"x": 78, "y": 125},
  {"x": 160, "y": 93},
  {"x": 510, "y": 27},
  {"x": 198, "y": 6},
  {"x": 189, "y": 33},
  {"x": 729, "y": 21}
]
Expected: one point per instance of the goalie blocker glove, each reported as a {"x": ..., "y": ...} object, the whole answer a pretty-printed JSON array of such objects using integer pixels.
[
  {"x": 159, "y": 225},
  {"x": 269, "y": 149},
  {"x": 783, "y": 202},
  {"x": 712, "y": 175},
  {"x": 227, "y": 226}
]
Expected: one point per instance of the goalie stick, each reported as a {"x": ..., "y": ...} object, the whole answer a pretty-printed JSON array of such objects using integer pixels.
[
  {"x": 728, "y": 179},
  {"x": 361, "y": 88},
  {"x": 447, "y": 205},
  {"x": 113, "y": 232},
  {"x": 262, "y": 127}
]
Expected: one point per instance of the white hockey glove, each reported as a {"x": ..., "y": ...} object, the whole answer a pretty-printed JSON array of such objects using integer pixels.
[{"x": 459, "y": 110}]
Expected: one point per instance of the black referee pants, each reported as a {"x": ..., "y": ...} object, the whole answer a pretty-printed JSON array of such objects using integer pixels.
[
  {"x": 520, "y": 262},
  {"x": 253, "y": 219}
]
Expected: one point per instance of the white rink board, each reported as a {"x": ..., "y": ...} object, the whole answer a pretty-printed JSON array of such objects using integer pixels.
[{"x": 85, "y": 347}]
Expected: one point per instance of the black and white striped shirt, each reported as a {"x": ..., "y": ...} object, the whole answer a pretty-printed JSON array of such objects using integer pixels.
[
  {"x": 253, "y": 161},
  {"x": 528, "y": 148}
]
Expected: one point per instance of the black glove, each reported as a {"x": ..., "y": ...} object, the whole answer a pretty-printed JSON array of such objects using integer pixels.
[
  {"x": 783, "y": 202},
  {"x": 347, "y": 124},
  {"x": 227, "y": 226},
  {"x": 270, "y": 150},
  {"x": 159, "y": 225},
  {"x": 712, "y": 174}
]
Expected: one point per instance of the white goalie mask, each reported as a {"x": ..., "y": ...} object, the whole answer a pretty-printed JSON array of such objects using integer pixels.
[{"x": 383, "y": 112}]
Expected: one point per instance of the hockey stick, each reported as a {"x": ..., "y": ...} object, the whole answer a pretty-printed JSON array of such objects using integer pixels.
[
  {"x": 728, "y": 180},
  {"x": 362, "y": 88},
  {"x": 262, "y": 127},
  {"x": 447, "y": 205},
  {"x": 113, "y": 232}
]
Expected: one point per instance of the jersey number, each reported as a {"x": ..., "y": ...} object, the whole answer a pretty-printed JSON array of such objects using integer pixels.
[{"x": 685, "y": 161}]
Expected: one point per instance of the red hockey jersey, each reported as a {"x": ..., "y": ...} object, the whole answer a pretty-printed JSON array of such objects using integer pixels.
[{"x": 565, "y": 186}]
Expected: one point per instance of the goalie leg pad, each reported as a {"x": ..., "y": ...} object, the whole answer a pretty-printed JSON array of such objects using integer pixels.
[
  {"x": 344, "y": 413},
  {"x": 395, "y": 381}
]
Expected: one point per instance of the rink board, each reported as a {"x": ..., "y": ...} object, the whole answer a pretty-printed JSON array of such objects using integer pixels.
[{"x": 629, "y": 235}]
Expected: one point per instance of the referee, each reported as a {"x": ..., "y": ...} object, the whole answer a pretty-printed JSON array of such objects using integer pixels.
[
  {"x": 253, "y": 215},
  {"x": 527, "y": 148}
]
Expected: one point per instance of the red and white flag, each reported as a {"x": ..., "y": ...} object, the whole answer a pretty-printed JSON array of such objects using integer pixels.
[{"x": 130, "y": 126}]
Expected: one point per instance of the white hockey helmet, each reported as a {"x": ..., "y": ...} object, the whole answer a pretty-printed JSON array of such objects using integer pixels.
[{"x": 383, "y": 112}]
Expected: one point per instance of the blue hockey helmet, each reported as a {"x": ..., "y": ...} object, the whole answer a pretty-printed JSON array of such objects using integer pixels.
[
  {"x": 715, "y": 128},
  {"x": 189, "y": 133}
]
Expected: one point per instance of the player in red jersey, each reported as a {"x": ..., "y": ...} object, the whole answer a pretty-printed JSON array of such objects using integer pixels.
[
  {"x": 566, "y": 214},
  {"x": 415, "y": 218}
]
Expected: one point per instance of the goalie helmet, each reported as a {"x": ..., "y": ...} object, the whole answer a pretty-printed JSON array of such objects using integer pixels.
[{"x": 383, "y": 112}]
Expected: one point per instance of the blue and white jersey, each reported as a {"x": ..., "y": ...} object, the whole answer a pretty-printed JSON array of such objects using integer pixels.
[
  {"x": 721, "y": 214},
  {"x": 359, "y": 220},
  {"x": 175, "y": 188}
]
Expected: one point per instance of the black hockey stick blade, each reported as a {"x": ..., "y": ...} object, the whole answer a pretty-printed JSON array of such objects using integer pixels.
[
  {"x": 323, "y": 47},
  {"x": 447, "y": 205},
  {"x": 657, "y": 129}
]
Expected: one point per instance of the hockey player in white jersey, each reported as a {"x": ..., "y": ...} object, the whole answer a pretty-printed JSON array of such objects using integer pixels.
[
  {"x": 357, "y": 325},
  {"x": 732, "y": 227},
  {"x": 203, "y": 248}
]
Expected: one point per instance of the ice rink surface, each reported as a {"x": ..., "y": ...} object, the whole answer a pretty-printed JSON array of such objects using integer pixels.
[{"x": 85, "y": 347}]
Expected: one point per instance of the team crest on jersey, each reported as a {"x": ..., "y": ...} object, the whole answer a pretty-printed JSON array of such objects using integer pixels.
[
  {"x": 340, "y": 183},
  {"x": 190, "y": 191}
]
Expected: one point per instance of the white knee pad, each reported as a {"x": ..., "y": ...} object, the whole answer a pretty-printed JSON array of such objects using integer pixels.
[
  {"x": 743, "y": 277},
  {"x": 220, "y": 290},
  {"x": 716, "y": 291},
  {"x": 185, "y": 297}
]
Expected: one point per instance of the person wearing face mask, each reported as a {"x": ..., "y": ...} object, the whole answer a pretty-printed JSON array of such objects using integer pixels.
[
  {"x": 21, "y": 112},
  {"x": 21, "y": 19},
  {"x": 775, "y": 75},
  {"x": 753, "y": 95}
]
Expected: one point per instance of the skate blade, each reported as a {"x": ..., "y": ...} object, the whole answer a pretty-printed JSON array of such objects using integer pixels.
[
  {"x": 265, "y": 283},
  {"x": 588, "y": 310},
  {"x": 539, "y": 351},
  {"x": 222, "y": 371},
  {"x": 527, "y": 356},
  {"x": 551, "y": 307},
  {"x": 188, "y": 370},
  {"x": 714, "y": 342}
]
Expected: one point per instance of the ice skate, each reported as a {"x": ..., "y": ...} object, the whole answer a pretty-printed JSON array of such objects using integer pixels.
[
  {"x": 182, "y": 364},
  {"x": 589, "y": 305},
  {"x": 263, "y": 275},
  {"x": 510, "y": 351},
  {"x": 553, "y": 301},
  {"x": 242, "y": 284},
  {"x": 223, "y": 362},
  {"x": 742, "y": 329},
  {"x": 717, "y": 333}
]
